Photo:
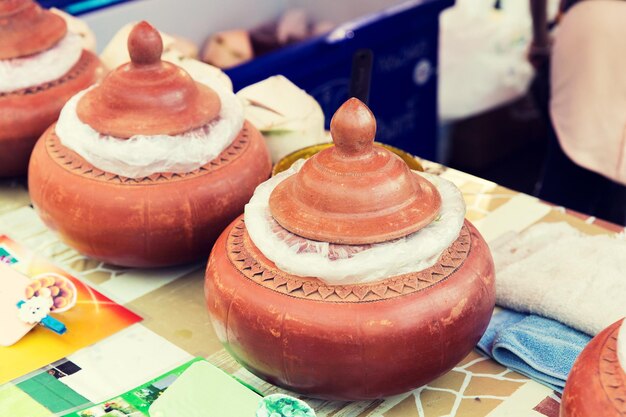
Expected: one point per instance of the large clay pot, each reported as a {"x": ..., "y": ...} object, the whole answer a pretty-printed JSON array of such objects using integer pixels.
[
  {"x": 159, "y": 220},
  {"x": 358, "y": 341},
  {"x": 26, "y": 113},
  {"x": 596, "y": 385}
]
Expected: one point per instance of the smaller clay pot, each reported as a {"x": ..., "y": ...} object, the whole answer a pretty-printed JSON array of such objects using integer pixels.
[
  {"x": 162, "y": 219},
  {"x": 26, "y": 113},
  {"x": 596, "y": 385}
]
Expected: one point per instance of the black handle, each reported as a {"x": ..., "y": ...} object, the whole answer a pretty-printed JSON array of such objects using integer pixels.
[{"x": 361, "y": 76}]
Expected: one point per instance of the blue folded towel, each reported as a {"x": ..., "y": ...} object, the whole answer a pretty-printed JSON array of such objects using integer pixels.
[{"x": 538, "y": 347}]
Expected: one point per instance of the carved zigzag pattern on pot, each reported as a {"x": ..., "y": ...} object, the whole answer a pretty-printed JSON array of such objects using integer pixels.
[
  {"x": 73, "y": 162},
  {"x": 83, "y": 63},
  {"x": 257, "y": 268},
  {"x": 612, "y": 375}
]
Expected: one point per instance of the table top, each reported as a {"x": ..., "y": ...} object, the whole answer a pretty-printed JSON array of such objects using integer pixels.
[{"x": 176, "y": 326}]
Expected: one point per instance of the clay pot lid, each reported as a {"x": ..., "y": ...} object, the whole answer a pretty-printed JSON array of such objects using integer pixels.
[
  {"x": 354, "y": 192},
  {"x": 27, "y": 29},
  {"x": 148, "y": 96}
]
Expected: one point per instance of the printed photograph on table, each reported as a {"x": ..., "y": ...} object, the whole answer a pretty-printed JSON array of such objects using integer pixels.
[
  {"x": 6, "y": 256},
  {"x": 135, "y": 403},
  {"x": 43, "y": 392},
  {"x": 116, "y": 407},
  {"x": 47, "y": 313}
]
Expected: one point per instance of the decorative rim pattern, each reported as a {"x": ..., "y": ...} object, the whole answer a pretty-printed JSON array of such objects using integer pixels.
[
  {"x": 612, "y": 376},
  {"x": 86, "y": 60},
  {"x": 74, "y": 163},
  {"x": 254, "y": 266}
]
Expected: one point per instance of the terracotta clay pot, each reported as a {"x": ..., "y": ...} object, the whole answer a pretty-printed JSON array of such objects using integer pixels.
[
  {"x": 596, "y": 385},
  {"x": 159, "y": 220},
  {"x": 26, "y": 113},
  {"x": 349, "y": 342}
]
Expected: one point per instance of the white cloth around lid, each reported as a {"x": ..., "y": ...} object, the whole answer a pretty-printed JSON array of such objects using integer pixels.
[
  {"x": 141, "y": 156},
  {"x": 352, "y": 264},
  {"x": 46, "y": 66}
]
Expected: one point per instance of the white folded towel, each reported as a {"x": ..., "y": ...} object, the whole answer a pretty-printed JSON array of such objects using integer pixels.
[{"x": 553, "y": 270}]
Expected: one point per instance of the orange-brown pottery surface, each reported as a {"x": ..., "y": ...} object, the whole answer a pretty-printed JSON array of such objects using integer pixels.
[
  {"x": 596, "y": 385},
  {"x": 25, "y": 114}
]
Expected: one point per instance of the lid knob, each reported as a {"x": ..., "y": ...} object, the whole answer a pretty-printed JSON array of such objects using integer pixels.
[
  {"x": 145, "y": 45},
  {"x": 353, "y": 128}
]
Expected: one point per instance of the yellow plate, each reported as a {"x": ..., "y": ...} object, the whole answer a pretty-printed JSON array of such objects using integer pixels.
[{"x": 309, "y": 151}]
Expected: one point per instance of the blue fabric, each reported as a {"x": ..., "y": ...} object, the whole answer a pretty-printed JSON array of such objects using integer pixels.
[{"x": 537, "y": 347}]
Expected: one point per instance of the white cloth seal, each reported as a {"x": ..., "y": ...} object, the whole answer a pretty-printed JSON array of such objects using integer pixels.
[
  {"x": 140, "y": 156},
  {"x": 46, "y": 66}
]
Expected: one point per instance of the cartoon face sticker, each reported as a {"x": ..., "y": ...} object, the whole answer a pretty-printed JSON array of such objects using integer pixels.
[{"x": 35, "y": 309}]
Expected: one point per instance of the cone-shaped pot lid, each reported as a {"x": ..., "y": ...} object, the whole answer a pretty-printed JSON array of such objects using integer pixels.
[
  {"x": 148, "y": 96},
  {"x": 26, "y": 28},
  {"x": 354, "y": 192}
]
